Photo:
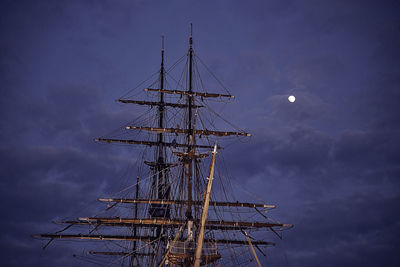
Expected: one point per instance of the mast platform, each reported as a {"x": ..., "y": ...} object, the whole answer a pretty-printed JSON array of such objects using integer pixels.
[{"x": 184, "y": 251}]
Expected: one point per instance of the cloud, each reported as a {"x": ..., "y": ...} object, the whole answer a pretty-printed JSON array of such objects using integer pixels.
[
  {"x": 329, "y": 161},
  {"x": 354, "y": 227}
]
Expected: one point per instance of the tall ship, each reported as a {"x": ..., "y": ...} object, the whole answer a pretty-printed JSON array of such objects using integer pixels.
[{"x": 179, "y": 207}]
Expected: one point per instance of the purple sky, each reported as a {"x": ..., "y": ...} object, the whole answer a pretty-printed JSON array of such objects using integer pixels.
[{"x": 330, "y": 161}]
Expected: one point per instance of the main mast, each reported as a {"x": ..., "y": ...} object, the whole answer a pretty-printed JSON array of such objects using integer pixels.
[
  {"x": 188, "y": 159},
  {"x": 190, "y": 136}
]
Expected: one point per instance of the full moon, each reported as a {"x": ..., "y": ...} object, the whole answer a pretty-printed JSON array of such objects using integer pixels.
[{"x": 291, "y": 98}]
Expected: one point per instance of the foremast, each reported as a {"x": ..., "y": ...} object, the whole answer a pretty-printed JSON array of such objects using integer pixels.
[{"x": 161, "y": 171}]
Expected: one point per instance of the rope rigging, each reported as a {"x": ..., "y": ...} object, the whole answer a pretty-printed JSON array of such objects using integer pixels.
[{"x": 172, "y": 135}]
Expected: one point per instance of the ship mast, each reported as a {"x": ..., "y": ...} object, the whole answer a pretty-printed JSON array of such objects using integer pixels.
[
  {"x": 169, "y": 211},
  {"x": 133, "y": 256},
  {"x": 190, "y": 148},
  {"x": 160, "y": 160},
  {"x": 200, "y": 237}
]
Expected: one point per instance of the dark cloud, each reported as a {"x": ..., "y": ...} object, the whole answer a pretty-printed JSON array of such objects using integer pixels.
[
  {"x": 361, "y": 228},
  {"x": 329, "y": 161}
]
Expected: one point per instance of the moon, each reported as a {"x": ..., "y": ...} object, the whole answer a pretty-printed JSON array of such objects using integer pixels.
[{"x": 291, "y": 98}]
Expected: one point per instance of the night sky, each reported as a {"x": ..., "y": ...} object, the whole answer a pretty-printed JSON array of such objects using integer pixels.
[{"x": 330, "y": 161}]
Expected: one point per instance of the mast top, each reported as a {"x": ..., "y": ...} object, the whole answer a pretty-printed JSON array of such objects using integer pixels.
[
  {"x": 162, "y": 42},
  {"x": 191, "y": 35}
]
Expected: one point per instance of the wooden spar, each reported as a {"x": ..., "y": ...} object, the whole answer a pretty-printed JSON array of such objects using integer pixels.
[
  {"x": 183, "y": 202},
  {"x": 210, "y": 227},
  {"x": 134, "y": 142},
  {"x": 154, "y": 164},
  {"x": 190, "y": 155},
  {"x": 98, "y": 237},
  {"x": 239, "y": 242},
  {"x": 161, "y": 221},
  {"x": 144, "y": 239},
  {"x": 200, "y": 237},
  {"x": 118, "y": 253},
  {"x": 186, "y": 131},
  {"x": 179, "y": 92},
  {"x": 153, "y": 103},
  {"x": 147, "y": 143},
  {"x": 252, "y": 248}
]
